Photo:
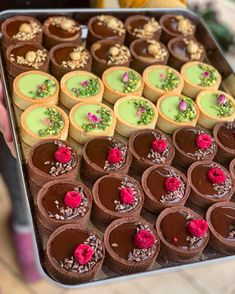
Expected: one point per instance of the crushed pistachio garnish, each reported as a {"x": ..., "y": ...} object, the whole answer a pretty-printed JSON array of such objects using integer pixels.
[
  {"x": 65, "y": 24},
  {"x": 208, "y": 77},
  {"x": 78, "y": 58},
  {"x": 194, "y": 49},
  {"x": 118, "y": 54},
  {"x": 169, "y": 81},
  {"x": 87, "y": 88},
  {"x": 112, "y": 23},
  {"x": 224, "y": 106},
  {"x": 154, "y": 48},
  {"x": 184, "y": 25},
  {"x": 148, "y": 30},
  {"x": 27, "y": 31},
  {"x": 32, "y": 59},
  {"x": 46, "y": 89},
  {"x": 54, "y": 123},
  {"x": 101, "y": 123},
  {"x": 130, "y": 80},
  {"x": 144, "y": 111},
  {"x": 186, "y": 110}
]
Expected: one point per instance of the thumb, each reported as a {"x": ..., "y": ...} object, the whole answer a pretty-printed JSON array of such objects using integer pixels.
[{"x": 5, "y": 124}]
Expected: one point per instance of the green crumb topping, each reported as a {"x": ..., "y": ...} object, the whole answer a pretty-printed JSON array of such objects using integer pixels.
[
  {"x": 87, "y": 88},
  {"x": 186, "y": 110},
  {"x": 46, "y": 89},
  {"x": 168, "y": 81},
  {"x": 130, "y": 81},
  {"x": 54, "y": 123},
  {"x": 208, "y": 77},
  {"x": 144, "y": 111},
  {"x": 100, "y": 123}
]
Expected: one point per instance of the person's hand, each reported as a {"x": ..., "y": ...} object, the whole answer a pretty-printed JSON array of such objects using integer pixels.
[{"x": 5, "y": 124}]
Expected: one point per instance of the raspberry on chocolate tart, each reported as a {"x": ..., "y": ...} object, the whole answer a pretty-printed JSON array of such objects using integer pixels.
[
  {"x": 73, "y": 255},
  {"x": 193, "y": 144},
  {"x": 183, "y": 234},
  {"x": 210, "y": 183},
  {"x": 116, "y": 196},
  {"x": 132, "y": 245},
  {"x": 221, "y": 221},
  {"x": 104, "y": 155},
  {"x": 164, "y": 186}
]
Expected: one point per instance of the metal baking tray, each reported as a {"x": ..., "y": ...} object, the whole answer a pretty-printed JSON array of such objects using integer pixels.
[{"x": 214, "y": 56}]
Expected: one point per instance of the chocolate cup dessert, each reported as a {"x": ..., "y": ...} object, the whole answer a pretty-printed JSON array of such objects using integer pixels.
[
  {"x": 66, "y": 57},
  {"x": 147, "y": 52},
  {"x": 224, "y": 134},
  {"x": 221, "y": 221},
  {"x": 183, "y": 50},
  {"x": 187, "y": 150},
  {"x": 143, "y": 154},
  {"x": 95, "y": 163},
  {"x": 232, "y": 169},
  {"x": 108, "y": 203},
  {"x": 122, "y": 256},
  {"x": 108, "y": 53},
  {"x": 141, "y": 26},
  {"x": 25, "y": 56},
  {"x": 61, "y": 29},
  {"x": 157, "y": 195},
  {"x": 44, "y": 167},
  {"x": 204, "y": 191},
  {"x": 60, "y": 261},
  {"x": 172, "y": 228}
]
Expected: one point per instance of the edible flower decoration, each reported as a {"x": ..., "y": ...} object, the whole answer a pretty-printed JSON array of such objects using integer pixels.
[
  {"x": 87, "y": 88},
  {"x": 144, "y": 111},
  {"x": 216, "y": 175},
  {"x": 203, "y": 141},
  {"x": 46, "y": 89},
  {"x": 159, "y": 145},
  {"x": 130, "y": 81},
  {"x": 127, "y": 195},
  {"x": 198, "y": 227},
  {"x": 83, "y": 253},
  {"x": 144, "y": 239},
  {"x": 168, "y": 81},
  {"x": 186, "y": 110},
  {"x": 72, "y": 199},
  {"x": 100, "y": 123},
  {"x": 223, "y": 105},
  {"x": 114, "y": 156},
  {"x": 172, "y": 184},
  {"x": 63, "y": 155},
  {"x": 93, "y": 118},
  {"x": 208, "y": 77}
]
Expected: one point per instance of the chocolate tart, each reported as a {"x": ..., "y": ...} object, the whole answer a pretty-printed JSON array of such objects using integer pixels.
[
  {"x": 61, "y": 29},
  {"x": 147, "y": 52},
  {"x": 122, "y": 254},
  {"x": 160, "y": 80},
  {"x": 60, "y": 261},
  {"x": 134, "y": 113},
  {"x": 108, "y": 203},
  {"x": 108, "y": 53},
  {"x": 34, "y": 87},
  {"x": 141, "y": 144},
  {"x": 120, "y": 81},
  {"x": 25, "y": 56},
  {"x": 199, "y": 76},
  {"x": 66, "y": 57},
  {"x": 183, "y": 50},
  {"x": 89, "y": 120},
  {"x": 159, "y": 197},
  {"x": 80, "y": 86},
  {"x": 176, "y": 26},
  {"x": 142, "y": 27},
  {"x": 177, "y": 242},
  {"x": 105, "y": 27},
  {"x": 215, "y": 107},
  {"x": 221, "y": 221},
  {"x": 189, "y": 147},
  {"x": 232, "y": 169},
  {"x": 43, "y": 121},
  {"x": 204, "y": 192},
  {"x": 95, "y": 157},
  {"x": 43, "y": 166},
  {"x": 176, "y": 111}
]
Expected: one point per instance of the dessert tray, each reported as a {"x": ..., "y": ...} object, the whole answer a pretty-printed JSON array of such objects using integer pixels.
[{"x": 120, "y": 114}]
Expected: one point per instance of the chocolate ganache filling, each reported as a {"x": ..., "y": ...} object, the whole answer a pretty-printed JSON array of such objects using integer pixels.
[
  {"x": 171, "y": 24},
  {"x": 101, "y": 29},
  {"x": 138, "y": 23},
  {"x": 13, "y": 27},
  {"x": 103, "y": 52},
  {"x": 226, "y": 135},
  {"x": 62, "y": 54},
  {"x": 141, "y": 49},
  {"x": 180, "y": 50},
  {"x": 59, "y": 32}
]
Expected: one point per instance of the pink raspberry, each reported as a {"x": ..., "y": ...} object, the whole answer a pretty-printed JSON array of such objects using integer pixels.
[
  {"x": 114, "y": 156},
  {"x": 144, "y": 239},
  {"x": 198, "y": 227},
  {"x": 159, "y": 145},
  {"x": 83, "y": 253},
  {"x": 203, "y": 141},
  {"x": 63, "y": 155},
  {"x": 126, "y": 195},
  {"x": 172, "y": 184},
  {"x": 216, "y": 175},
  {"x": 72, "y": 199}
]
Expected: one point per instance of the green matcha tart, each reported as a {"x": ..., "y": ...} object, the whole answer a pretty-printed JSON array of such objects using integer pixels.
[
  {"x": 199, "y": 76},
  {"x": 176, "y": 111},
  {"x": 215, "y": 107},
  {"x": 134, "y": 113},
  {"x": 121, "y": 81},
  {"x": 43, "y": 121},
  {"x": 160, "y": 80},
  {"x": 33, "y": 87},
  {"x": 91, "y": 119},
  {"x": 80, "y": 86}
]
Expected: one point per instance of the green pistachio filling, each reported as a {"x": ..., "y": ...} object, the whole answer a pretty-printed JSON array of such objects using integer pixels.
[
  {"x": 164, "y": 79},
  {"x": 201, "y": 75},
  {"x": 83, "y": 86}
]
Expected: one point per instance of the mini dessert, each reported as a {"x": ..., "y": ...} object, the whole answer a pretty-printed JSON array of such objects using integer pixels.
[
  {"x": 34, "y": 87},
  {"x": 66, "y": 57},
  {"x": 210, "y": 183},
  {"x": 183, "y": 50},
  {"x": 105, "y": 27},
  {"x": 232, "y": 170},
  {"x": 199, "y": 76},
  {"x": 61, "y": 29},
  {"x": 121, "y": 81},
  {"x": 108, "y": 53},
  {"x": 215, "y": 107},
  {"x": 183, "y": 234},
  {"x": 91, "y": 119},
  {"x": 116, "y": 196},
  {"x": 160, "y": 80},
  {"x": 142, "y": 27},
  {"x": 26, "y": 56},
  {"x": 73, "y": 255},
  {"x": 150, "y": 147},
  {"x": 104, "y": 155},
  {"x": 132, "y": 245},
  {"x": 80, "y": 86},
  {"x": 134, "y": 113},
  {"x": 221, "y": 221},
  {"x": 193, "y": 144},
  {"x": 164, "y": 186},
  {"x": 176, "y": 26},
  {"x": 176, "y": 111},
  {"x": 43, "y": 121},
  {"x": 147, "y": 52}
]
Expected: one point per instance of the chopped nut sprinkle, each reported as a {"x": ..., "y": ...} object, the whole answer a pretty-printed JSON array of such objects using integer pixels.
[
  {"x": 148, "y": 30},
  {"x": 65, "y": 24},
  {"x": 112, "y": 23},
  {"x": 32, "y": 59},
  {"x": 27, "y": 31},
  {"x": 184, "y": 25},
  {"x": 78, "y": 58},
  {"x": 194, "y": 49},
  {"x": 154, "y": 48},
  {"x": 118, "y": 54}
]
